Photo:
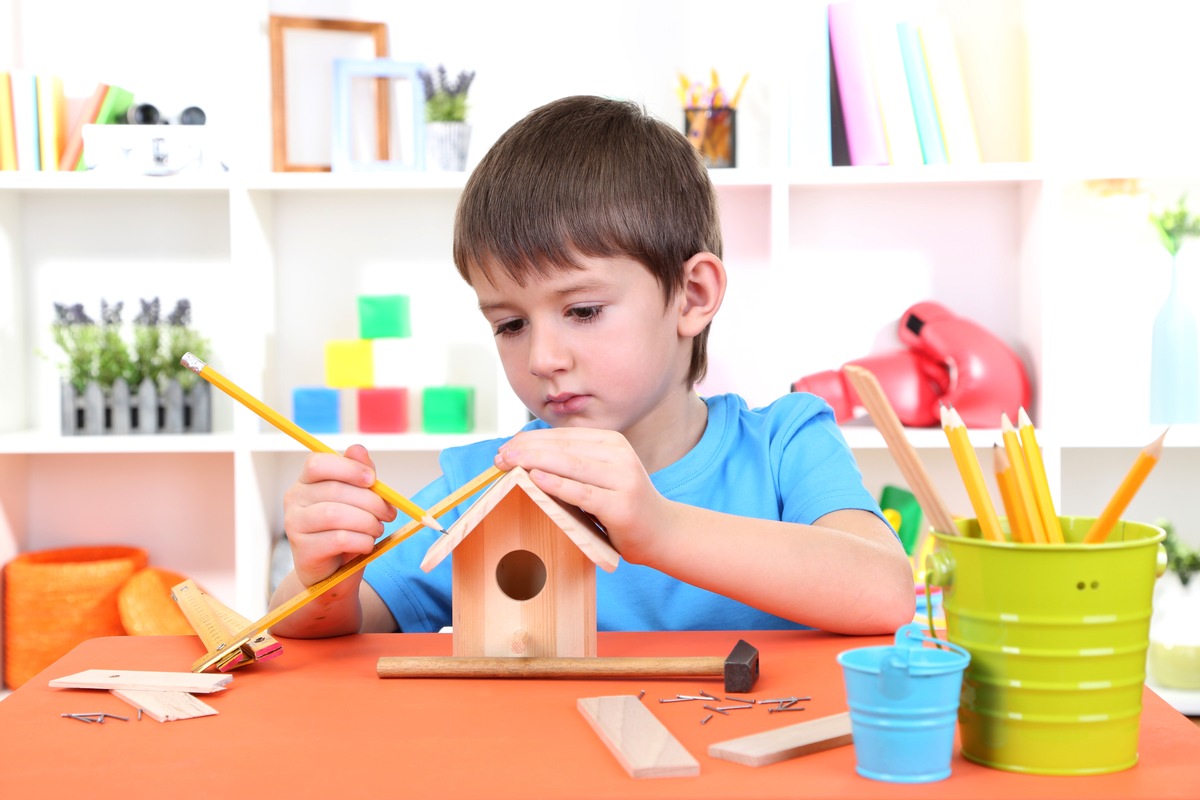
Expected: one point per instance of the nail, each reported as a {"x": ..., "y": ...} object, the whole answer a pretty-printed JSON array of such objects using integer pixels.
[
  {"x": 706, "y": 694},
  {"x": 718, "y": 710},
  {"x": 706, "y": 719},
  {"x": 785, "y": 708},
  {"x": 732, "y": 708},
  {"x": 675, "y": 699},
  {"x": 641, "y": 694},
  {"x": 739, "y": 699},
  {"x": 139, "y": 715}
]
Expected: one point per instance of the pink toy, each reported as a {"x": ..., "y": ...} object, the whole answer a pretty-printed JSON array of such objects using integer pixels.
[
  {"x": 911, "y": 382},
  {"x": 950, "y": 360}
]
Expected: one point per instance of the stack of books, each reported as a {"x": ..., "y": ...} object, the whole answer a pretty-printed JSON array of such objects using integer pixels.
[{"x": 42, "y": 129}]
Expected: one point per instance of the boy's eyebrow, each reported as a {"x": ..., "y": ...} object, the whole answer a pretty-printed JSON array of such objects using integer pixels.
[{"x": 574, "y": 288}]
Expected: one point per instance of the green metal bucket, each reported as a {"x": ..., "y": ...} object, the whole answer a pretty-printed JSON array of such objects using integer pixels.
[{"x": 1058, "y": 637}]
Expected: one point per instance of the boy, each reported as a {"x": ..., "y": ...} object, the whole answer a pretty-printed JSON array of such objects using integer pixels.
[{"x": 590, "y": 235}]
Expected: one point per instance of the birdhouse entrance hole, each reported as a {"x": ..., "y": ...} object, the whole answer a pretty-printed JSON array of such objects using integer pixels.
[{"x": 521, "y": 575}]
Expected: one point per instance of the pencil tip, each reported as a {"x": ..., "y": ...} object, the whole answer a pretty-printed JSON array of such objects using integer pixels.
[
  {"x": 1005, "y": 423},
  {"x": 1023, "y": 418},
  {"x": 429, "y": 522}
]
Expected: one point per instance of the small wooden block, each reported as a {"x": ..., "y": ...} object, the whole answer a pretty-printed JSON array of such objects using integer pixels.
[
  {"x": 165, "y": 706},
  {"x": 642, "y": 744},
  {"x": 142, "y": 680},
  {"x": 760, "y": 749}
]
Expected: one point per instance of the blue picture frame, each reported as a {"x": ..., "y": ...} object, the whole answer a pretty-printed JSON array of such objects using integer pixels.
[{"x": 345, "y": 71}]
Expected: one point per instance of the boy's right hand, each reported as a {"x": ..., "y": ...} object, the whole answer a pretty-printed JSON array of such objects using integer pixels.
[{"x": 331, "y": 515}]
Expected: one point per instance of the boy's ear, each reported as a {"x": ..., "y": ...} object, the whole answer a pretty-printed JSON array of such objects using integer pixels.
[{"x": 704, "y": 282}]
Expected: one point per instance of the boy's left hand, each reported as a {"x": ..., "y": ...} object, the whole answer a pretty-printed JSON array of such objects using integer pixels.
[{"x": 596, "y": 470}]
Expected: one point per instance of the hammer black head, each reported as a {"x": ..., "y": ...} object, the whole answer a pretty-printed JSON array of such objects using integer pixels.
[{"x": 741, "y": 667}]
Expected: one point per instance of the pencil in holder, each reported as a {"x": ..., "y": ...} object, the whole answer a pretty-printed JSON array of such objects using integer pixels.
[{"x": 713, "y": 131}]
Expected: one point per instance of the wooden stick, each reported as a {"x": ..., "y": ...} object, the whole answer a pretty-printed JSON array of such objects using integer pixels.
[
  {"x": 769, "y": 747},
  {"x": 884, "y": 416},
  {"x": 1142, "y": 465},
  {"x": 196, "y": 365},
  {"x": 303, "y": 598},
  {"x": 642, "y": 744},
  {"x": 142, "y": 679},
  {"x": 1037, "y": 477}
]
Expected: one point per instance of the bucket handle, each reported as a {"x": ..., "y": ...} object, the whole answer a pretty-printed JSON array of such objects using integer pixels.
[{"x": 910, "y": 637}]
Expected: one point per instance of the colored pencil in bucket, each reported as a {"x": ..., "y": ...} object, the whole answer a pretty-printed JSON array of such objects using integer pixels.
[{"x": 1146, "y": 460}]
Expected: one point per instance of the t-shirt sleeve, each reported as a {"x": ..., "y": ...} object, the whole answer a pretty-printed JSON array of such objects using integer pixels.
[{"x": 817, "y": 472}]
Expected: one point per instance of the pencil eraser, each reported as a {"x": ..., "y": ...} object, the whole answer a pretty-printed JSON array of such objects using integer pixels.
[
  {"x": 448, "y": 409},
  {"x": 383, "y": 410},
  {"x": 317, "y": 409},
  {"x": 384, "y": 316},
  {"x": 349, "y": 364}
]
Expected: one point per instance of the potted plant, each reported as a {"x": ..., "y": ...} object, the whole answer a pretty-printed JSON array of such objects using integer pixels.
[
  {"x": 114, "y": 386},
  {"x": 447, "y": 134},
  {"x": 1174, "y": 658}
]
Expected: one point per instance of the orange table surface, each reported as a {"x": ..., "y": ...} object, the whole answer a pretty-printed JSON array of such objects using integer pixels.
[{"x": 318, "y": 722}]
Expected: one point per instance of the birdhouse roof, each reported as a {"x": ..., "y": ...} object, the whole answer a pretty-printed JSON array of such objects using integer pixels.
[{"x": 577, "y": 526}]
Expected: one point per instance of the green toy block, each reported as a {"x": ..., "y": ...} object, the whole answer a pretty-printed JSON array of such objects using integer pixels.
[
  {"x": 448, "y": 409},
  {"x": 349, "y": 364},
  {"x": 905, "y": 503},
  {"x": 384, "y": 316}
]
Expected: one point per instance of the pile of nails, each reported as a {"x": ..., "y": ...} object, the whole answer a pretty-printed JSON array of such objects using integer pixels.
[
  {"x": 775, "y": 704},
  {"x": 99, "y": 716}
]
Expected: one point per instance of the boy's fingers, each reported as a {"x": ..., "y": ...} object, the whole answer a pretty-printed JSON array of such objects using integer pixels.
[{"x": 320, "y": 467}]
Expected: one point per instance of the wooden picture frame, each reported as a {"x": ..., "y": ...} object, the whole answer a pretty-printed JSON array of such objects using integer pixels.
[
  {"x": 408, "y": 126},
  {"x": 303, "y": 50}
]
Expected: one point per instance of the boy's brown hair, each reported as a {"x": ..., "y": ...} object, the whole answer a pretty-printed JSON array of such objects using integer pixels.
[{"x": 593, "y": 177}]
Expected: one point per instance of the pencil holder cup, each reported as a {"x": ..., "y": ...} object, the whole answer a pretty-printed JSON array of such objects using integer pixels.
[
  {"x": 903, "y": 702},
  {"x": 1058, "y": 635},
  {"x": 713, "y": 131}
]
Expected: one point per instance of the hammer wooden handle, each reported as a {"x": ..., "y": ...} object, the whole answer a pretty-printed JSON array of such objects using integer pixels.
[{"x": 547, "y": 667}]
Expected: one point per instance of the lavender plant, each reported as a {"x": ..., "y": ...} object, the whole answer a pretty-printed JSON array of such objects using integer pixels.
[
  {"x": 78, "y": 336},
  {"x": 182, "y": 338},
  {"x": 446, "y": 97},
  {"x": 148, "y": 357}
]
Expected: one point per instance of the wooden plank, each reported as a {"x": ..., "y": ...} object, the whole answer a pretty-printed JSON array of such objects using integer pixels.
[
  {"x": 165, "y": 706},
  {"x": 144, "y": 680},
  {"x": 642, "y": 744},
  {"x": 769, "y": 747}
]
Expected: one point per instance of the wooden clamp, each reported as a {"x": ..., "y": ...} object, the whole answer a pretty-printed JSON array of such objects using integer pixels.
[{"x": 216, "y": 622}]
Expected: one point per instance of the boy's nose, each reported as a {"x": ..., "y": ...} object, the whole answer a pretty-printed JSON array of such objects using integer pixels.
[{"x": 547, "y": 353}]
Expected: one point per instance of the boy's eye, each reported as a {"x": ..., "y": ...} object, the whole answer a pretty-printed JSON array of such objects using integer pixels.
[
  {"x": 509, "y": 327},
  {"x": 585, "y": 313}
]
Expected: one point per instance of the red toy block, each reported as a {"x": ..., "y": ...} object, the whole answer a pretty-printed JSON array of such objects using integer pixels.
[{"x": 382, "y": 410}]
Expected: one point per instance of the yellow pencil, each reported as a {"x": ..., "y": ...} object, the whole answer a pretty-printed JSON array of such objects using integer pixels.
[
  {"x": 1016, "y": 459},
  {"x": 1037, "y": 478},
  {"x": 972, "y": 475},
  {"x": 1145, "y": 461},
  {"x": 1009, "y": 496},
  {"x": 302, "y": 436},
  {"x": 738, "y": 94}
]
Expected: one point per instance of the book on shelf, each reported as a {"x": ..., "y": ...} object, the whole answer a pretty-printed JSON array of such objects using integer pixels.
[
  {"x": 949, "y": 91},
  {"x": 855, "y": 85},
  {"x": 115, "y": 106},
  {"x": 72, "y": 156},
  {"x": 929, "y": 130},
  {"x": 8, "y": 138},
  {"x": 51, "y": 114},
  {"x": 25, "y": 119},
  {"x": 891, "y": 84},
  {"x": 810, "y": 126}
]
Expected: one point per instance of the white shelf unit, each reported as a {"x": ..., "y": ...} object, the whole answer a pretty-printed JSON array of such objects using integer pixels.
[{"x": 822, "y": 262}]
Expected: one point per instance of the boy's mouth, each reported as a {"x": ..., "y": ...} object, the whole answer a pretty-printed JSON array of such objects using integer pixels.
[{"x": 566, "y": 403}]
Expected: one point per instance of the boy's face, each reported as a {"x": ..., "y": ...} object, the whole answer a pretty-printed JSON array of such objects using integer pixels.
[{"x": 594, "y": 347}]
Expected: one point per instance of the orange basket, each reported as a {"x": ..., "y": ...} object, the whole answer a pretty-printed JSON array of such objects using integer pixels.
[
  {"x": 55, "y": 599},
  {"x": 146, "y": 606}
]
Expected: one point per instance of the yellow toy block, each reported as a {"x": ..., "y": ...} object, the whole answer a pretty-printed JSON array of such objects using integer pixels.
[{"x": 349, "y": 364}]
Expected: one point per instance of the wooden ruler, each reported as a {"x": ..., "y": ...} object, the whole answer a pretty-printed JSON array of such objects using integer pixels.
[
  {"x": 220, "y": 648},
  {"x": 216, "y": 622}
]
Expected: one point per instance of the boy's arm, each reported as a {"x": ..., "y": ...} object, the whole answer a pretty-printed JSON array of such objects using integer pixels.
[
  {"x": 351, "y": 607},
  {"x": 846, "y": 573}
]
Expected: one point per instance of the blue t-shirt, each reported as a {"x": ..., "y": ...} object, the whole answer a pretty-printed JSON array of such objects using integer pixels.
[{"x": 787, "y": 461}]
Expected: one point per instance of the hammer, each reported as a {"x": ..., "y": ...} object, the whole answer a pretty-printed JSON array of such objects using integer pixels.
[{"x": 739, "y": 668}]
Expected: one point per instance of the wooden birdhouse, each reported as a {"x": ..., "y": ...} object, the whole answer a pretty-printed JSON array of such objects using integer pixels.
[{"x": 524, "y": 573}]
